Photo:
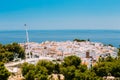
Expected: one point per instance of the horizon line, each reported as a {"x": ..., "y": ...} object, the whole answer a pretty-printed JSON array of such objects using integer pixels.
[{"x": 56, "y": 29}]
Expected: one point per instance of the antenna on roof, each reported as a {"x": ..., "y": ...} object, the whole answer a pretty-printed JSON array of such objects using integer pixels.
[
  {"x": 27, "y": 42},
  {"x": 27, "y": 36}
]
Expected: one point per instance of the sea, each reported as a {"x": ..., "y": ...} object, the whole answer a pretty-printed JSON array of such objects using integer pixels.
[{"x": 103, "y": 36}]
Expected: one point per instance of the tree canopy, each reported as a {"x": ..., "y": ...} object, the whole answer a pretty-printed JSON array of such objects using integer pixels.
[
  {"x": 8, "y": 51},
  {"x": 40, "y": 71},
  {"x": 80, "y": 40},
  {"x": 4, "y": 74},
  {"x": 72, "y": 69}
]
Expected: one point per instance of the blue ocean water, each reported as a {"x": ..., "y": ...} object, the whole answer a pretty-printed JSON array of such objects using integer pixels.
[{"x": 104, "y": 36}]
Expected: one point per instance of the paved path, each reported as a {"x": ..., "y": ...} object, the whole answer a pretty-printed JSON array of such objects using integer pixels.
[{"x": 31, "y": 60}]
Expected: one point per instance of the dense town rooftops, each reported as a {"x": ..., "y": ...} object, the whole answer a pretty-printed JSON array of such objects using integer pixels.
[{"x": 86, "y": 50}]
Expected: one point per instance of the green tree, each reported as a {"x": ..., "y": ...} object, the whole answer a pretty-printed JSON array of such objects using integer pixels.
[
  {"x": 26, "y": 67},
  {"x": 82, "y": 68},
  {"x": 110, "y": 45},
  {"x": 119, "y": 51},
  {"x": 15, "y": 48},
  {"x": 68, "y": 72},
  {"x": 103, "y": 68},
  {"x": 109, "y": 59},
  {"x": 4, "y": 74},
  {"x": 116, "y": 68},
  {"x": 2, "y": 50},
  {"x": 8, "y": 51},
  {"x": 71, "y": 60},
  {"x": 41, "y": 73},
  {"x": 69, "y": 66},
  {"x": 47, "y": 64},
  {"x": 57, "y": 68},
  {"x": 6, "y": 56},
  {"x": 79, "y": 40},
  {"x": 30, "y": 75}
]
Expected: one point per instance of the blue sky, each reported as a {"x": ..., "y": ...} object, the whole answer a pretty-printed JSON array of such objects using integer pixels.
[{"x": 59, "y": 14}]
